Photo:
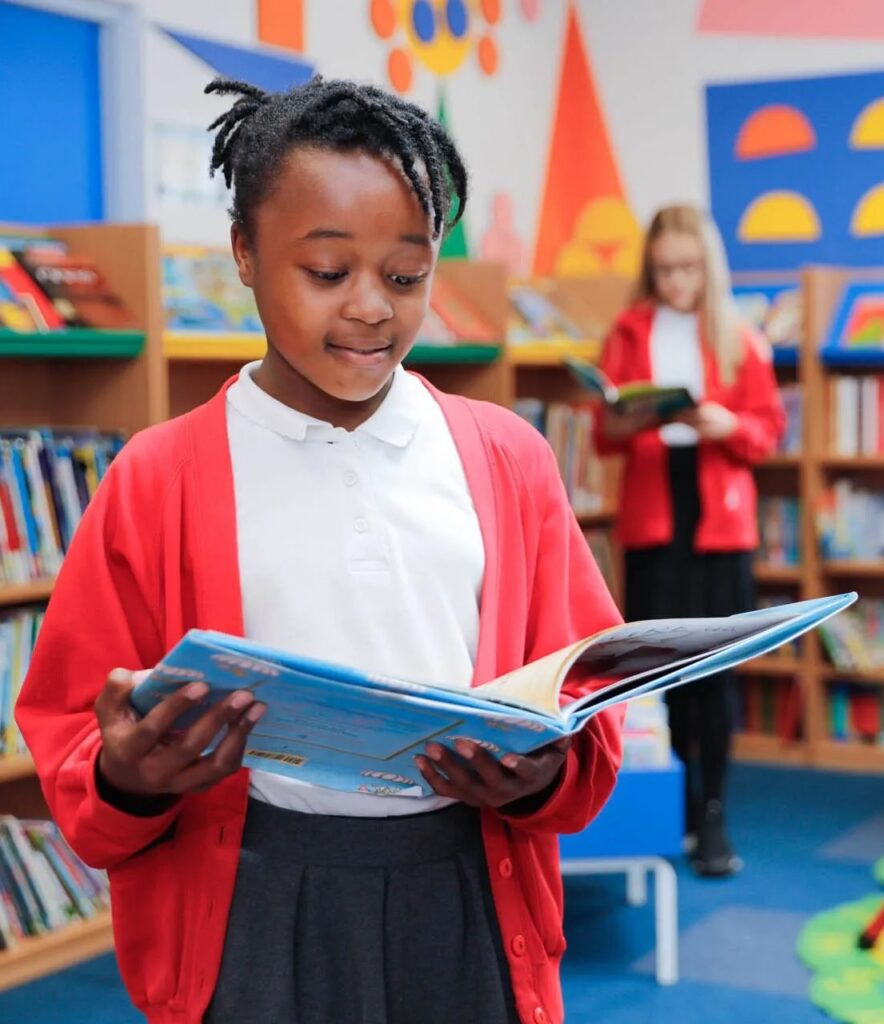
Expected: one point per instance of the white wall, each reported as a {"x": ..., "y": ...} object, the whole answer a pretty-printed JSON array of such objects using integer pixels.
[{"x": 650, "y": 67}]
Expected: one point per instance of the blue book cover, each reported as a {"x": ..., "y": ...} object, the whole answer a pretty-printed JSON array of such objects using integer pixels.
[{"x": 343, "y": 729}]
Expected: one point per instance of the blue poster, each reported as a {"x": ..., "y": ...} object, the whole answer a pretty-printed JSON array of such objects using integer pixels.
[{"x": 796, "y": 170}]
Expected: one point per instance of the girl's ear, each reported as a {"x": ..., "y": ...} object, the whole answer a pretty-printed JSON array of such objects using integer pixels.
[{"x": 242, "y": 253}]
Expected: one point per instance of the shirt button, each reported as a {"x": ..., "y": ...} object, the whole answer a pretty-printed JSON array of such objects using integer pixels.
[
  {"x": 361, "y": 525},
  {"x": 540, "y": 1016},
  {"x": 518, "y": 945},
  {"x": 505, "y": 867},
  {"x": 350, "y": 478}
]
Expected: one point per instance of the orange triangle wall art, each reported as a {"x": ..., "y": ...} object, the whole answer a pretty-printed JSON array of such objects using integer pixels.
[{"x": 585, "y": 224}]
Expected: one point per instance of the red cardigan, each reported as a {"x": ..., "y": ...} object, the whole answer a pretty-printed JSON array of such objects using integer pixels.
[
  {"x": 728, "y": 498},
  {"x": 156, "y": 555}
]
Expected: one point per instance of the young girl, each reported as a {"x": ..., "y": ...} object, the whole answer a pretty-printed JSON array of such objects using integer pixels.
[
  {"x": 687, "y": 517},
  {"x": 327, "y": 502}
]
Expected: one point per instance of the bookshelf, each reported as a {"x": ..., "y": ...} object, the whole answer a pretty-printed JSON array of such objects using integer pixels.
[
  {"x": 811, "y": 473},
  {"x": 79, "y": 378}
]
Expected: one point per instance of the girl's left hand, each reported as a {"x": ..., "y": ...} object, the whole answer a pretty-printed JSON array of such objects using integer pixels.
[
  {"x": 480, "y": 780},
  {"x": 713, "y": 422}
]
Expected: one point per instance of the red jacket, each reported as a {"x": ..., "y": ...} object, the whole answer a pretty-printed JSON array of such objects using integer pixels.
[
  {"x": 156, "y": 555},
  {"x": 728, "y": 498}
]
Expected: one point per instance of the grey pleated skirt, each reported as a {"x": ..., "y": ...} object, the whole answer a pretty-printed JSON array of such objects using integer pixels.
[{"x": 362, "y": 921}]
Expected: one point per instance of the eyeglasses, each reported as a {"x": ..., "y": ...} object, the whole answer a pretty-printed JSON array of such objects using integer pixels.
[{"x": 689, "y": 268}]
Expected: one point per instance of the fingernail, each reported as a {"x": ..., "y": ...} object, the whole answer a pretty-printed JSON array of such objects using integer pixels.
[
  {"x": 194, "y": 691},
  {"x": 434, "y": 752},
  {"x": 510, "y": 761},
  {"x": 466, "y": 750},
  {"x": 241, "y": 699},
  {"x": 255, "y": 712}
]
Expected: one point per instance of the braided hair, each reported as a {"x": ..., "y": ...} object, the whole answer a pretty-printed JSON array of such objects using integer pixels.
[{"x": 260, "y": 128}]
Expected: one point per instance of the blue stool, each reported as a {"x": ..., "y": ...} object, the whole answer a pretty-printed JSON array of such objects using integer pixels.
[{"x": 640, "y": 826}]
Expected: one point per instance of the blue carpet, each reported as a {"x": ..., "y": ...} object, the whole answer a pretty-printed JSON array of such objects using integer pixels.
[{"x": 800, "y": 834}]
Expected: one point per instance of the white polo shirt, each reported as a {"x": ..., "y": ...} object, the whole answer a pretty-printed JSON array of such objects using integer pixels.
[{"x": 358, "y": 547}]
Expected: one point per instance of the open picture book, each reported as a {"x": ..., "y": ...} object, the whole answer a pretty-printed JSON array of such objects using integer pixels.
[
  {"x": 639, "y": 396},
  {"x": 337, "y": 727}
]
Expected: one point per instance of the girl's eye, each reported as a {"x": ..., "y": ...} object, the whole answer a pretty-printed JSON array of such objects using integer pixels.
[
  {"x": 407, "y": 280},
  {"x": 327, "y": 275}
]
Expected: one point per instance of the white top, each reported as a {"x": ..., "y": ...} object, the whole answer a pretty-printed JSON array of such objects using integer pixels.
[
  {"x": 677, "y": 361},
  {"x": 362, "y": 548}
]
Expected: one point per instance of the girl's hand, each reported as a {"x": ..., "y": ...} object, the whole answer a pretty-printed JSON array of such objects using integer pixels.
[
  {"x": 478, "y": 779},
  {"x": 144, "y": 757},
  {"x": 712, "y": 421},
  {"x": 622, "y": 426}
]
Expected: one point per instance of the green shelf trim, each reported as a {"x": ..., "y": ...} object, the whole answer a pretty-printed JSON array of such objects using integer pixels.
[
  {"x": 75, "y": 343},
  {"x": 454, "y": 355}
]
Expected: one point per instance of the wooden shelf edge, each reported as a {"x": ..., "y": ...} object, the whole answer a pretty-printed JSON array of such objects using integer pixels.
[
  {"x": 873, "y": 677},
  {"x": 855, "y": 757},
  {"x": 772, "y": 666},
  {"x": 858, "y": 568},
  {"x": 781, "y": 461},
  {"x": 46, "y": 954},
  {"x": 766, "y": 573},
  {"x": 26, "y": 593},
  {"x": 551, "y": 353},
  {"x": 849, "y": 462},
  {"x": 15, "y": 766},
  {"x": 764, "y": 749}
]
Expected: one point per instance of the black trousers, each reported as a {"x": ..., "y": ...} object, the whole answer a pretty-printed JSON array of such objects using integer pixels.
[{"x": 673, "y": 580}]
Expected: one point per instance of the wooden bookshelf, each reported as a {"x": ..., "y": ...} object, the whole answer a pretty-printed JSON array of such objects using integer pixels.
[
  {"x": 773, "y": 665},
  {"x": 25, "y": 593},
  {"x": 764, "y": 749},
  {"x": 110, "y": 380},
  {"x": 787, "y": 575},
  {"x": 871, "y": 677},
  {"x": 35, "y": 957},
  {"x": 15, "y": 766},
  {"x": 859, "y": 570}
]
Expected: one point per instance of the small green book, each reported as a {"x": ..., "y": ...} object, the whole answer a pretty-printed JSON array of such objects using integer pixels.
[{"x": 638, "y": 396}]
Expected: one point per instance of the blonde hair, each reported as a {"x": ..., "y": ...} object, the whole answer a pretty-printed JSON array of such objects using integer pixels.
[{"x": 718, "y": 316}]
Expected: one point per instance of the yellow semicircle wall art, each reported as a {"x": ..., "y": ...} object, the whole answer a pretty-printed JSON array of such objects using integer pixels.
[
  {"x": 868, "y": 128},
  {"x": 779, "y": 216},
  {"x": 868, "y": 215},
  {"x": 774, "y": 130}
]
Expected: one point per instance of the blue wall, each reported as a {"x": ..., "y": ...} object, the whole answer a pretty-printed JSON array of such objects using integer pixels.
[{"x": 50, "y": 118}]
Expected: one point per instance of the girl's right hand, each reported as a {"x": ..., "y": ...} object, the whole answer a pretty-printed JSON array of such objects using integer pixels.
[{"x": 144, "y": 757}]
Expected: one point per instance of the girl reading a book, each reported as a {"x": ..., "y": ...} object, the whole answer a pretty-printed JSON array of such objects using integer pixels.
[
  {"x": 328, "y": 503},
  {"x": 687, "y": 514}
]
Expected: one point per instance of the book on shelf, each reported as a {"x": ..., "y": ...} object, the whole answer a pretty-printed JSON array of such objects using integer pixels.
[
  {"x": 569, "y": 429},
  {"x": 856, "y": 417},
  {"x": 28, "y": 295},
  {"x": 18, "y": 634},
  {"x": 202, "y": 292},
  {"x": 46, "y": 480},
  {"x": 637, "y": 397},
  {"x": 599, "y": 541},
  {"x": 856, "y": 713},
  {"x": 338, "y": 727},
  {"x": 535, "y": 317},
  {"x": 646, "y": 740},
  {"x": 855, "y": 640},
  {"x": 779, "y": 530},
  {"x": 452, "y": 310},
  {"x": 771, "y": 707},
  {"x": 773, "y": 309},
  {"x": 792, "y": 396},
  {"x": 43, "y": 884},
  {"x": 77, "y": 289},
  {"x": 849, "y": 522}
]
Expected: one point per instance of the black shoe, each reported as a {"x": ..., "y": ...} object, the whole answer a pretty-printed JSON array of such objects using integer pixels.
[
  {"x": 713, "y": 856},
  {"x": 693, "y": 818}
]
